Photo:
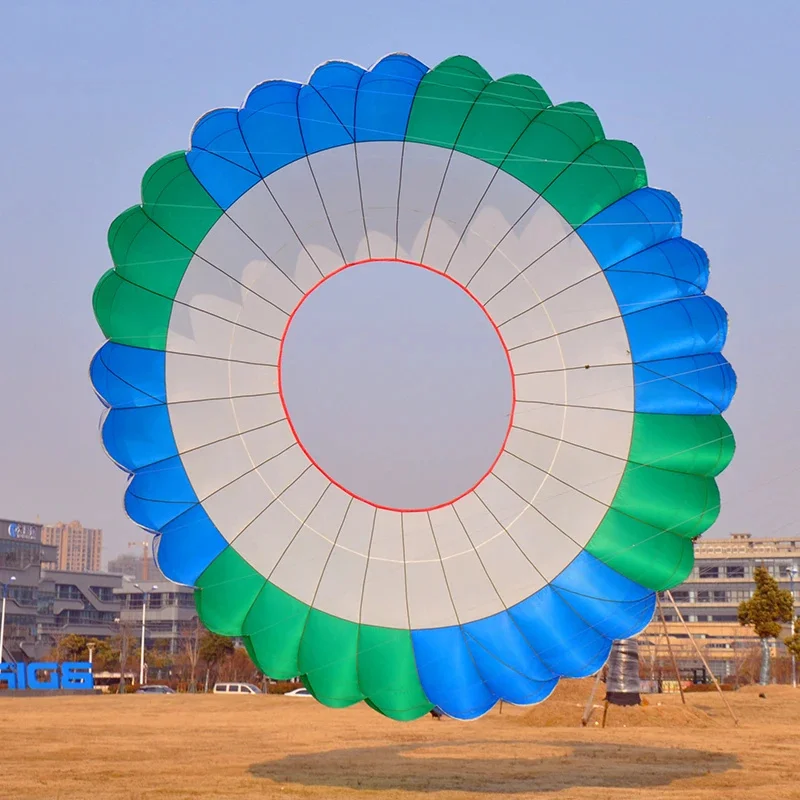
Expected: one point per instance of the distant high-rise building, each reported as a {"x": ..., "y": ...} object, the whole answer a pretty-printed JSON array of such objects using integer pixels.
[
  {"x": 79, "y": 549},
  {"x": 133, "y": 566}
]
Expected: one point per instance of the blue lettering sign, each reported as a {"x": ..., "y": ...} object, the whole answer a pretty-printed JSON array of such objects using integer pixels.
[
  {"x": 47, "y": 675},
  {"x": 77, "y": 675},
  {"x": 13, "y": 675},
  {"x": 50, "y": 670}
]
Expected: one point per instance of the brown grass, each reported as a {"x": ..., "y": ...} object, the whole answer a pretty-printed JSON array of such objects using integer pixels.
[{"x": 185, "y": 747}]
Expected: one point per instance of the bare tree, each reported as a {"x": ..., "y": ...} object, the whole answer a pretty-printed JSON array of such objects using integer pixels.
[
  {"x": 127, "y": 649},
  {"x": 191, "y": 649}
]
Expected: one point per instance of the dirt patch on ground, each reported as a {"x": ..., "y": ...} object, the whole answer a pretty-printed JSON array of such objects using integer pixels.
[
  {"x": 565, "y": 707},
  {"x": 212, "y": 747}
]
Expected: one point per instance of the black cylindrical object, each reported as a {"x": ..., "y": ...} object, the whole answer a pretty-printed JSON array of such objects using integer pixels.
[{"x": 622, "y": 685}]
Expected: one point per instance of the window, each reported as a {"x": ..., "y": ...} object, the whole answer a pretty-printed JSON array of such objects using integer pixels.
[
  {"x": 709, "y": 572},
  {"x": 160, "y": 626},
  {"x": 68, "y": 592},
  {"x": 723, "y": 618},
  {"x": 735, "y": 571},
  {"x": 87, "y": 616},
  {"x": 105, "y": 594},
  {"x": 44, "y": 604},
  {"x": 720, "y": 596},
  {"x": 680, "y": 596},
  {"x": 704, "y": 596},
  {"x": 16, "y": 554},
  {"x": 23, "y": 595}
]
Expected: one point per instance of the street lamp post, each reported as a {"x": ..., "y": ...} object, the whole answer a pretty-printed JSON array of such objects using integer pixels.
[
  {"x": 144, "y": 618},
  {"x": 123, "y": 655},
  {"x": 792, "y": 572},
  {"x": 3, "y": 614}
]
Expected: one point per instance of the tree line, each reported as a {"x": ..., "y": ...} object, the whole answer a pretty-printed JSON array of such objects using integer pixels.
[{"x": 200, "y": 659}]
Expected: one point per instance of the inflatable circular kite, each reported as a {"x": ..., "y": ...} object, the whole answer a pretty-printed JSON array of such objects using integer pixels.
[{"x": 416, "y": 381}]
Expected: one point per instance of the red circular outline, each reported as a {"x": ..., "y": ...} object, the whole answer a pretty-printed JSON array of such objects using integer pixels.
[{"x": 502, "y": 344}]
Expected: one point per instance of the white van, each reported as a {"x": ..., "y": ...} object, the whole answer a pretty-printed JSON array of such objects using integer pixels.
[{"x": 236, "y": 688}]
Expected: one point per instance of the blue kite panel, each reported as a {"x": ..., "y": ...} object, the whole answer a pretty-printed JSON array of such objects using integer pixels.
[
  {"x": 187, "y": 545},
  {"x": 338, "y": 82},
  {"x": 321, "y": 128},
  {"x": 703, "y": 384},
  {"x": 502, "y": 639},
  {"x": 218, "y": 132},
  {"x": 219, "y": 157},
  {"x": 136, "y": 437},
  {"x": 563, "y": 630},
  {"x": 563, "y": 642},
  {"x": 667, "y": 271},
  {"x": 126, "y": 376},
  {"x": 610, "y": 603},
  {"x": 506, "y": 661},
  {"x": 634, "y": 223},
  {"x": 270, "y": 126},
  {"x": 448, "y": 673},
  {"x": 696, "y": 325},
  {"x": 383, "y": 104},
  {"x": 159, "y": 493},
  {"x": 282, "y": 121},
  {"x": 504, "y": 681}
]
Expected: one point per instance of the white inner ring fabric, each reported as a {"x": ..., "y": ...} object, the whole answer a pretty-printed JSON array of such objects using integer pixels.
[{"x": 557, "y": 314}]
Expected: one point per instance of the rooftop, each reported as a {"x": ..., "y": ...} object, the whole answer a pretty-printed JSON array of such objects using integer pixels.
[{"x": 746, "y": 544}]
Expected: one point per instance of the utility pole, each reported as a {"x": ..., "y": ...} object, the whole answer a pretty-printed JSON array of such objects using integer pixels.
[
  {"x": 144, "y": 620},
  {"x": 123, "y": 653},
  {"x": 141, "y": 654},
  {"x": 792, "y": 573}
]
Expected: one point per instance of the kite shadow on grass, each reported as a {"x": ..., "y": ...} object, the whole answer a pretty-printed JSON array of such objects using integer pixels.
[{"x": 428, "y": 767}]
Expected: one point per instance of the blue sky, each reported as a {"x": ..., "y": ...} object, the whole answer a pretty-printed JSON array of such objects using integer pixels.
[{"x": 94, "y": 92}]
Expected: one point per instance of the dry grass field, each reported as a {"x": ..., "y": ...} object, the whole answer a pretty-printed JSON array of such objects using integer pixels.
[{"x": 207, "y": 747}]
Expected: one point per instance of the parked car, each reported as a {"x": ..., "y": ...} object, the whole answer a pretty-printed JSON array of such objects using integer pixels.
[
  {"x": 154, "y": 690},
  {"x": 301, "y": 692},
  {"x": 236, "y": 688}
]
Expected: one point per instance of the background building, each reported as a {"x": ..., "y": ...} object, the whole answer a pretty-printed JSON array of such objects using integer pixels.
[
  {"x": 83, "y": 603},
  {"x": 709, "y": 600},
  {"x": 171, "y": 612},
  {"x": 42, "y": 605},
  {"x": 45, "y": 605},
  {"x": 79, "y": 549},
  {"x": 21, "y": 557},
  {"x": 134, "y": 567}
]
